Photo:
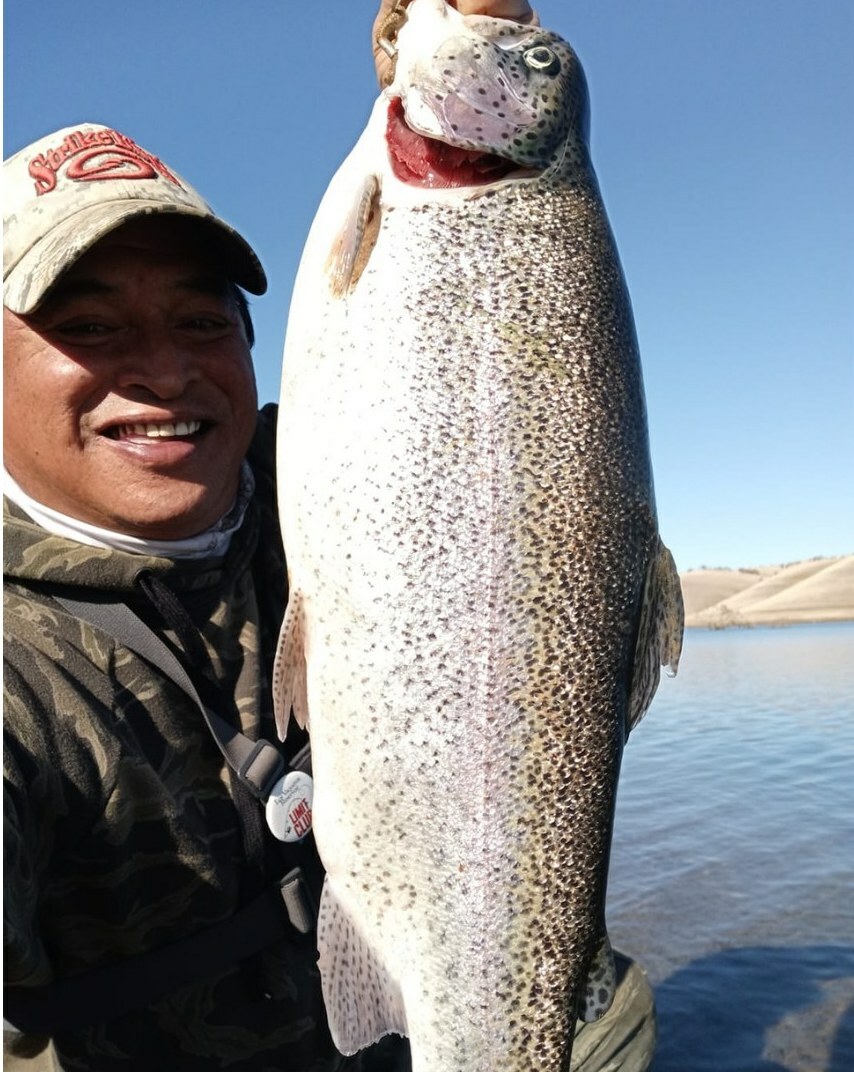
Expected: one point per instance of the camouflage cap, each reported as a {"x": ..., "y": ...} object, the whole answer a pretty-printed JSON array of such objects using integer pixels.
[{"x": 64, "y": 192}]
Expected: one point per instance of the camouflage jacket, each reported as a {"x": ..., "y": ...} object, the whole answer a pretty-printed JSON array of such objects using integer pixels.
[{"x": 121, "y": 830}]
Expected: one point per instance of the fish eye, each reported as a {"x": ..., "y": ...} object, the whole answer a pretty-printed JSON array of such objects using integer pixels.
[{"x": 540, "y": 58}]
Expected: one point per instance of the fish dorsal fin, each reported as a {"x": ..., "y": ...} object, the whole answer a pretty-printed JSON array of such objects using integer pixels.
[
  {"x": 601, "y": 983},
  {"x": 290, "y": 690},
  {"x": 660, "y": 629},
  {"x": 363, "y": 1003}
]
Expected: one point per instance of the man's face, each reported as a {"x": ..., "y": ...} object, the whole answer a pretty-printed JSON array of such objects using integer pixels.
[{"x": 129, "y": 395}]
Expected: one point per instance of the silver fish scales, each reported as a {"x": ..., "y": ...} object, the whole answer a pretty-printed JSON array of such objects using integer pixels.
[{"x": 480, "y": 601}]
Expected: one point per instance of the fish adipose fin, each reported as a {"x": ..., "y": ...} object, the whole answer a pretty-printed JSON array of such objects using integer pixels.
[
  {"x": 363, "y": 1003},
  {"x": 355, "y": 241},
  {"x": 601, "y": 983},
  {"x": 289, "y": 681},
  {"x": 660, "y": 629}
]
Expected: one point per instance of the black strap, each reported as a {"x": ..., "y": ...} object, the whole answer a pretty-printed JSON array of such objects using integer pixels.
[
  {"x": 258, "y": 764},
  {"x": 80, "y": 1001}
]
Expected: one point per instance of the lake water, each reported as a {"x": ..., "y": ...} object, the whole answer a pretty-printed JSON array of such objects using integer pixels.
[{"x": 732, "y": 873}]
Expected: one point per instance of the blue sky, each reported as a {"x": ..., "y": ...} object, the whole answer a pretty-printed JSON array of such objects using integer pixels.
[{"x": 722, "y": 138}]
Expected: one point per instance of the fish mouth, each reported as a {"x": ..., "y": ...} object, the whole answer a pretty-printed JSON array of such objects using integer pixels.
[{"x": 419, "y": 160}]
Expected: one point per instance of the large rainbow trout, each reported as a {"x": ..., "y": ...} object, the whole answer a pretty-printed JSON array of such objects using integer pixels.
[{"x": 479, "y": 599}]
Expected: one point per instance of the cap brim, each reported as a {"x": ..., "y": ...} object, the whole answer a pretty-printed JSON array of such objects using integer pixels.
[{"x": 26, "y": 285}]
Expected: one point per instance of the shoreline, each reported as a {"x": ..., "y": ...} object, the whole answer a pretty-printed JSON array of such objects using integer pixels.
[{"x": 789, "y": 623}]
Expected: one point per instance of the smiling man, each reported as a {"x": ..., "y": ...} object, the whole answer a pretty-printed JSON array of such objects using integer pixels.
[
  {"x": 144, "y": 924},
  {"x": 138, "y": 363}
]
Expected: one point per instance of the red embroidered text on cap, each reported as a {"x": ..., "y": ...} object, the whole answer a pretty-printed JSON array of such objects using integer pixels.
[{"x": 96, "y": 155}]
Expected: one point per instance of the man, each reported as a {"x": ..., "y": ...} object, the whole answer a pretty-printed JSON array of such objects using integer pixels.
[
  {"x": 144, "y": 922},
  {"x": 138, "y": 471}
]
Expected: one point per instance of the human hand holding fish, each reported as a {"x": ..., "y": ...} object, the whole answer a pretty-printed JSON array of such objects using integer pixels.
[
  {"x": 480, "y": 602},
  {"x": 517, "y": 10}
]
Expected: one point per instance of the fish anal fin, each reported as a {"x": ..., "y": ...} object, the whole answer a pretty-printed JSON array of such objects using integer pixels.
[
  {"x": 659, "y": 640},
  {"x": 290, "y": 690},
  {"x": 601, "y": 983},
  {"x": 363, "y": 1003},
  {"x": 355, "y": 241}
]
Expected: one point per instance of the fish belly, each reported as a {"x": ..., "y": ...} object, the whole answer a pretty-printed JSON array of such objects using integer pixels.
[{"x": 468, "y": 517}]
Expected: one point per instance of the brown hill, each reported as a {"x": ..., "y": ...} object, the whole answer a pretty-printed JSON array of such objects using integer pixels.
[{"x": 816, "y": 590}]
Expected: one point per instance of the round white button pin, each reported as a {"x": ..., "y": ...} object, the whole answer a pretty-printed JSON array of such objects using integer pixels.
[{"x": 289, "y": 806}]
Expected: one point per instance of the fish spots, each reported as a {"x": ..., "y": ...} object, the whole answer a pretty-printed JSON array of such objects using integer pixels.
[{"x": 489, "y": 93}]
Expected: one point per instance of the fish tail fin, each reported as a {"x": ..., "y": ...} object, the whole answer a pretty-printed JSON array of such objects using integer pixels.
[
  {"x": 363, "y": 1002},
  {"x": 659, "y": 639},
  {"x": 290, "y": 688},
  {"x": 601, "y": 983}
]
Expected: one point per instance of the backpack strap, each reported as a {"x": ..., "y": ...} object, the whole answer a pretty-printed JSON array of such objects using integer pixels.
[{"x": 258, "y": 764}]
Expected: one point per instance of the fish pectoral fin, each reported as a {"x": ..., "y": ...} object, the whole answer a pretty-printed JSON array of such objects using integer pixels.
[
  {"x": 356, "y": 239},
  {"x": 363, "y": 1002},
  {"x": 659, "y": 642},
  {"x": 290, "y": 690},
  {"x": 601, "y": 983}
]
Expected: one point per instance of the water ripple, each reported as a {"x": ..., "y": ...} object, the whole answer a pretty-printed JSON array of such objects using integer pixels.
[{"x": 733, "y": 862}]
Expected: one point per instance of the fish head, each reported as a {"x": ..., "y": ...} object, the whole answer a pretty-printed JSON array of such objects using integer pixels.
[{"x": 506, "y": 98}]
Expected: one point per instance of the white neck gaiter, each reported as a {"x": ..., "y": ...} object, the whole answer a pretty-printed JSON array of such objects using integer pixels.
[{"x": 213, "y": 542}]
